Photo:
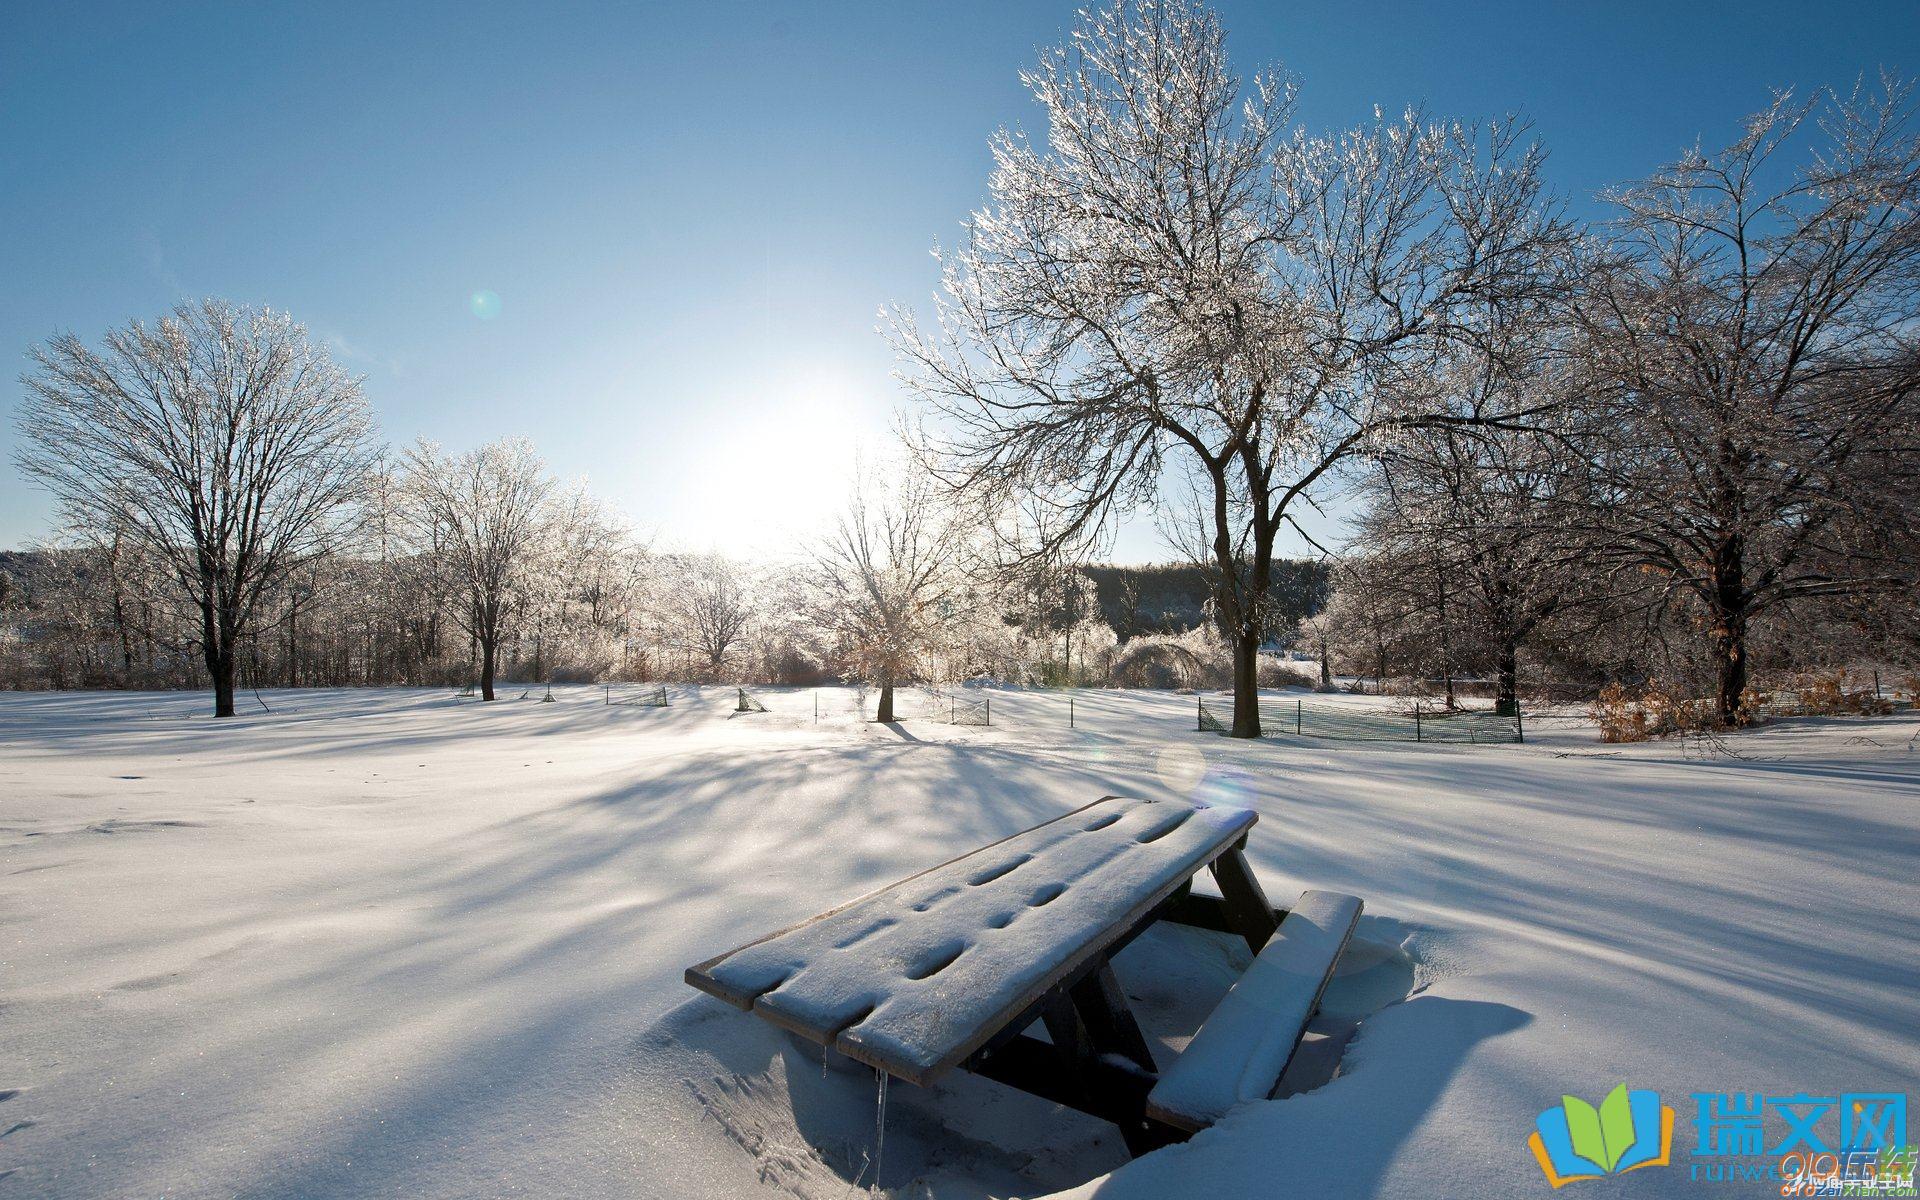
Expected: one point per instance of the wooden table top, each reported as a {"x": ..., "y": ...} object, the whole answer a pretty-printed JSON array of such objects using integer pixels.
[{"x": 915, "y": 977}]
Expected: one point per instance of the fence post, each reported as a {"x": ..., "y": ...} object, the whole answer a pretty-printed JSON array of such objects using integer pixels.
[
  {"x": 1069, "y": 710},
  {"x": 1519, "y": 726},
  {"x": 1199, "y": 714},
  {"x": 989, "y": 722},
  {"x": 1416, "y": 725},
  {"x": 1297, "y": 723}
]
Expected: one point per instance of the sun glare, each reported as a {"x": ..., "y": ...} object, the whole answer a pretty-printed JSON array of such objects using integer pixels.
[{"x": 789, "y": 465}]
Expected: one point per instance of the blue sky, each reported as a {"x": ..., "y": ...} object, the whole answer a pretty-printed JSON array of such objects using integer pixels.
[{"x": 690, "y": 215}]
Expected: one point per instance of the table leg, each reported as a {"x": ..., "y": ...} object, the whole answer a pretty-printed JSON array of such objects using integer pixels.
[
  {"x": 1247, "y": 907},
  {"x": 1109, "y": 1019},
  {"x": 1080, "y": 1050}
]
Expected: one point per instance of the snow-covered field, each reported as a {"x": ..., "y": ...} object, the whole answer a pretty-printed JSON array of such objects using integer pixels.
[{"x": 384, "y": 944}]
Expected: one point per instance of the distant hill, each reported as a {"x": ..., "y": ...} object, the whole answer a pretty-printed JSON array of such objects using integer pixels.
[
  {"x": 1172, "y": 597},
  {"x": 20, "y": 572}
]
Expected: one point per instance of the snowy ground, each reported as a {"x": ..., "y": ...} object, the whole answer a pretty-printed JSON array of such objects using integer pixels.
[{"x": 384, "y": 944}]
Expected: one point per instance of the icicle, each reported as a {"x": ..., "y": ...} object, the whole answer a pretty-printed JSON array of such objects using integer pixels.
[{"x": 880, "y": 1131}]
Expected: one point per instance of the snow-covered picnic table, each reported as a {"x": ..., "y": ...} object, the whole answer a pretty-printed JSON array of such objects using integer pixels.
[{"x": 948, "y": 967}]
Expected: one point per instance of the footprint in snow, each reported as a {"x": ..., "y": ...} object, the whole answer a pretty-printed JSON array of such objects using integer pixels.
[{"x": 116, "y": 825}]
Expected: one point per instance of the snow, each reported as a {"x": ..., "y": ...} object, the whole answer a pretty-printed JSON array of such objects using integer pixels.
[
  {"x": 915, "y": 978},
  {"x": 379, "y": 943},
  {"x": 1239, "y": 1054}
]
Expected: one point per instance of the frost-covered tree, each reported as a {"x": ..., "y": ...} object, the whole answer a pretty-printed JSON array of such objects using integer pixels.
[
  {"x": 1469, "y": 526},
  {"x": 1755, "y": 369},
  {"x": 481, "y": 520},
  {"x": 1178, "y": 281},
  {"x": 1474, "y": 517},
  {"x": 889, "y": 580},
  {"x": 580, "y": 567},
  {"x": 220, "y": 440},
  {"x": 709, "y": 608}
]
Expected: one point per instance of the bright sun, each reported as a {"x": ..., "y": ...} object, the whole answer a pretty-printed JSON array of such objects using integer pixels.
[{"x": 787, "y": 467}]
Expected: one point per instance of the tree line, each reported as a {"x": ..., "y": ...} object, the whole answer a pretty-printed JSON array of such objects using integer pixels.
[
  {"x": 1688, "y": 421},
  {"x": 1660, "y": 445},
  {"x": 244, "y": 528}
]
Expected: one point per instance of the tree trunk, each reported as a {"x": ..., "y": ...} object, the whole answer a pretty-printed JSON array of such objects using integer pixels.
[
  {"x": 216, "y": 648},
  {"x": 1326, "y": 668},
  {"x": 486, "y": 667},
  {"x": 126, "y": 643},
  {"x": 1246, "y": 684},
  {"x": 221, "y": 668},
  {"x": 1729, "y": 611},
  {"x": 885, "y": 714},
  {"x": 1508, "y": 701},
  {"x": 1730, "y": 656}
]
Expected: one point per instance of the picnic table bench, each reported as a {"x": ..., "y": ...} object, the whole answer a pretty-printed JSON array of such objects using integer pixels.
[{"x": 949, "y": 968}]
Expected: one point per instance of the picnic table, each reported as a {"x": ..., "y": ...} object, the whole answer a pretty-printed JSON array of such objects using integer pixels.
[{"x": 949, "y": 968}]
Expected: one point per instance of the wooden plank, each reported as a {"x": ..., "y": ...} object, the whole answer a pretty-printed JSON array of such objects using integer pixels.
[
  {"x": 1244, "y": 1046},
  {"x": 701, "y": 975},
  {"x": 1114, "y": 1090},
  {"x": 1202, "y": 911},
  {"x": 1021, "y": 1021},
  {"x": 916, "y": 977}
]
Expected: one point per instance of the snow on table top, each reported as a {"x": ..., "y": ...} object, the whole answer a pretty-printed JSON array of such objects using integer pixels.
[
  {"x": 1242, "y": 1049},
  {"x": 915, "y": 977}
]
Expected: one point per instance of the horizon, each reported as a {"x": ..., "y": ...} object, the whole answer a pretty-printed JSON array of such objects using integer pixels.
[
  {"x": 431, "y": 733},
  {"x": 658, "y": 249}
]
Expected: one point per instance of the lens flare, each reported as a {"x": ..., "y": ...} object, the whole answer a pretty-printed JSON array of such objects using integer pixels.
[
  {"x": 1225, "y": 787},
  {"x": 1180, "y": 768},
  {"x": 484, "y": 304}
]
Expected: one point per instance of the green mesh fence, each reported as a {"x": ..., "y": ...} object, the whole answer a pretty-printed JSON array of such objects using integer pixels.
[
  {"x": 962, "y": 711},
  {"x": 636, "y": 694},
  {"x": 1785, "y": 702},
  {"x": 1471, "y": 727},
  {"x": 1209, "y": 723}
]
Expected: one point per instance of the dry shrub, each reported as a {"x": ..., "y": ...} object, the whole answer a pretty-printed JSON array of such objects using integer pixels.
[
  {"x": 1821, "y": 695},
  {"x": 1625, "y": 717},
  {"x": 1825, "y": 694},
  {"x": 1621, "y": 718},
  {"x": 1283, "y": 675}
]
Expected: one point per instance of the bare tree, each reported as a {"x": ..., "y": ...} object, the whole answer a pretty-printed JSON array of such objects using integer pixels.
[
  {"x": 710, "y": 608},
  {"x": 1177, "y": 277},
  {"x": 1755, "y": 368},
  {"x": 479, "y": 519},
  {"x": 220, "y": 439},
  {"x": 1472, "y": 517},
  {"x": 888, "y": 581}
]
